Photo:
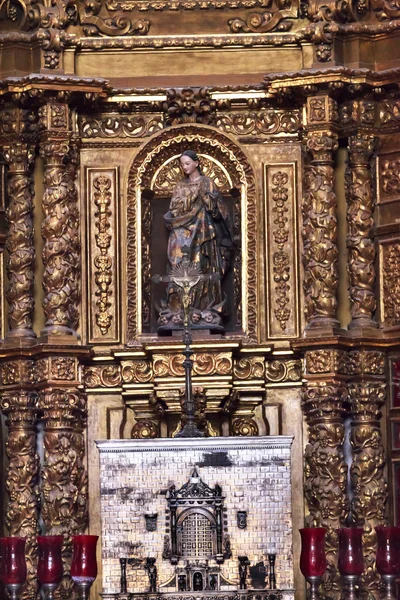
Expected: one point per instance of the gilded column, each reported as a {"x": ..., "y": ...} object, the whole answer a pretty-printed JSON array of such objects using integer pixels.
[
  {"x": 325, "y": 467},
  {"x": 360, "y": 242},
  {"x": 18, "y": 153},
  {"x": 369, "y": 488},
  {"x": 320, "y": 252},
  {"x": 60, "y": 230},
  {"x": 22, "y": 514},
  {"x": 64, "y": 478}
]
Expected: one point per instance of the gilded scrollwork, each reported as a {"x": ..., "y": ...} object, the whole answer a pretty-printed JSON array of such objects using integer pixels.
[
  {"x": 280, "y": 257},
  {"x": 367, "y": 470},
  {"x": 189, "y": 105},
  {"x": 169, "y": 175},
  {"x": 267, "y": 122},
  {"x": 390, "y": 176},
  {"x": 102, "y": 376},
  {"x": 136, "y": 371},
  {"x": 204, "y": 363},
  {"x": 280, "y": 371},
  {"x": 391, "y": 283},
  {"x": 19, "y": 244},
  {"x": 360, "y": 239},
  {"x": 389, "y": 112},
  {"x": 112, "y": 126},
  {"x": 320, "y": 254},
  {"x": 249, "y": 367},
  {"x": 103, "y": 262},
  {"x": 95, "y": 20},
  {"x": 22, "y": 514},
  {"x": 274, "y": 19},
  {"x": 323, "y": 361},
  {"x": 325, "y": 469}
]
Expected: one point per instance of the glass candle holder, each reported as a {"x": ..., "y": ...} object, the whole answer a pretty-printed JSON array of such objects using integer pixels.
[
  {"x": 84, "y": 562},
  {"x": 388, "y": 558},
  {"x": 50, "y": 566},
  {"x": 351, "y": 560},
  {"x": 312, "y": 557},
  {"x": 388, "y": 551},
  {"x": 13, "y": 563}
]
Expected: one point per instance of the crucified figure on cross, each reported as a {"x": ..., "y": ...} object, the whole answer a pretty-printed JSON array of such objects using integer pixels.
[{"x": 186, "y": 276}]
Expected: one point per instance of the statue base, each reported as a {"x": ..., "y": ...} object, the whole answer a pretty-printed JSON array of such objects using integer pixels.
[{"x": 208, "y": 320}]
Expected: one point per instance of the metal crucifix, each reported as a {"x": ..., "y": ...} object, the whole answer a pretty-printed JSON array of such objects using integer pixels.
[{"x": 186, "y": 276}]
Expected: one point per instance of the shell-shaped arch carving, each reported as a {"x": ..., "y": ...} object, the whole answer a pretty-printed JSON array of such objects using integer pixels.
[{"x": 146, "y": 173}]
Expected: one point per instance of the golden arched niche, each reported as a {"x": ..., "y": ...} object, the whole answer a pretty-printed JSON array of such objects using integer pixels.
[{"x": 152, "y": 176}]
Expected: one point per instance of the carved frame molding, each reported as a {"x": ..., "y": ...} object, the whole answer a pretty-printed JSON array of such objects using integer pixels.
[{"x": 141, "y": 175}]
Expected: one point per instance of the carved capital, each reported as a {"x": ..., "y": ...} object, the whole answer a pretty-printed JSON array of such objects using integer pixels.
[{"x": 321, "y": 145}]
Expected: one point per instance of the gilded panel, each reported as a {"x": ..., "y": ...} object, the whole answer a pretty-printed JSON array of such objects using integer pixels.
[
  {"x": 389, "y": 263},
  {"x": 102, "y": 241},
  {"x": 389, "y": 177},
  {"x": 281, "y": 250}
]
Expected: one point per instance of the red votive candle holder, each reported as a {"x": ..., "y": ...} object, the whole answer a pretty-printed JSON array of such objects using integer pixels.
[
  {"x": 351, "y": 560},
  {"x": 84, "y": 563},
  {"x": 388, "y": 551},
  {"x": 312, "y": 557},
  {"x": 13, "y": 563},
  {"x": 50, "y": 566}
]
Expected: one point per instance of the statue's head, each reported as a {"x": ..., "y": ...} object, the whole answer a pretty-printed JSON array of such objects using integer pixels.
[{"x": 190, "y": 162}]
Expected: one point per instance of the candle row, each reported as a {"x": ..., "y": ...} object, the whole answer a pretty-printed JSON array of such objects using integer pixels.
[
  {"x": 50, "y": 566},
  {"x": 350, "y": 559}
]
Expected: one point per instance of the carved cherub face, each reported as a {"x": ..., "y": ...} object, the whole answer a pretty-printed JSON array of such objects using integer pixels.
[
  {"x": 208, "y": 317},
  {"x": 196, "y": 317}
]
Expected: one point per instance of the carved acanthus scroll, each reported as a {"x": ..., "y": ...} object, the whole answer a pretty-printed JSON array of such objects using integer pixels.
[
  {"x": 325, "y": 468},
  {"x": 22, "y": 478},
  {"x": 60, "y": 229},
  {"x": 20, "y": 247},
  {"x": 360, "y": 238},
  {"x": 319, "y": 232},
  {"x": 367, "y": 470}
]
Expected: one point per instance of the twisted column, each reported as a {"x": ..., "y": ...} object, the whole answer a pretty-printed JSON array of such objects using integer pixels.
[
  {"x": 320, "y": 255},
  {"x": 60, "y": 228},
  {"x": 22, "y": 514},
  {"x": 367, "y": 472},
  {"x": 20, "y": 244},
  {"x": 360, "y": 242},
  {"x": 64, "y": 478},
  {"x": 325, "y": 468}
]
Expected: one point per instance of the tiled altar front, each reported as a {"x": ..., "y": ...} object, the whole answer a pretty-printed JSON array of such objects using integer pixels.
[{"x": 199, "y": 507}]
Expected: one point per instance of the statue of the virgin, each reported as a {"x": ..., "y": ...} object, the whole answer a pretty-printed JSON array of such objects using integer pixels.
[{"x": 198, "y": 223}]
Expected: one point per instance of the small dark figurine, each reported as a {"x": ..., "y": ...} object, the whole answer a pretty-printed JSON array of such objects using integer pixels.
[
  {"x": 197, "y": 582},
  {"x": 122, "y": 562},
  {"x": 152, "y": 573},
  {"x": 243, "y": 564},
  {"x": 272, "y": 578},
  {"x": 181, "y": 583},
  {"x": 213, "y": 582}
]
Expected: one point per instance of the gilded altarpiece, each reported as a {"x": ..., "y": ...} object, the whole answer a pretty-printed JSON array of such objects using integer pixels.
[{"x": 293, "y": 110}]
